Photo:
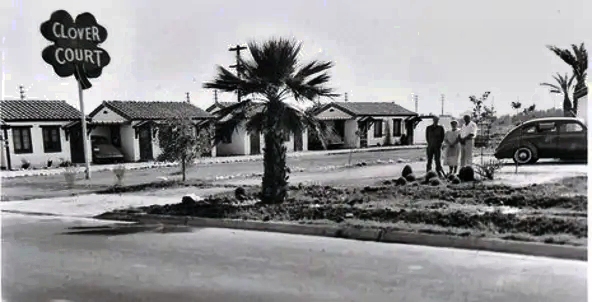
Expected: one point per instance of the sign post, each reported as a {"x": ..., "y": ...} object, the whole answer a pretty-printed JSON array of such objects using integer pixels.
[{"x": 75, "y": 51}]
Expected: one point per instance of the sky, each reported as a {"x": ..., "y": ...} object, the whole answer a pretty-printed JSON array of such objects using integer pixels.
[{"x": 383, "y": 50}]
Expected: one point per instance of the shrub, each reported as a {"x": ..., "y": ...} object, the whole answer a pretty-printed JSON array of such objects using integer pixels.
[
  {"x": 70, "y": 176},
  {"x": 489, "y": 169},
  {"x": 466, "y": 174},
  {"x": 65, "y": 163},
  {"x": 410, "y": 177},
  {"x": 401, "y": 181},
  {"x": 406, "y": 171},
  {"x": 25, "y": 164},
  {"x": 435, "y": 181},
  {"x": 49, "y": 163},
  {"x": 455, "y": 180},
  {"x": 431, "y": 174},
  {"x": 119, "y": 173}
]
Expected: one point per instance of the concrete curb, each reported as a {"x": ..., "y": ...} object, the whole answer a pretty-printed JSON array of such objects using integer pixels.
[
  {"x": 202, "y": 161},
  {"x": 367, "y": 234}
]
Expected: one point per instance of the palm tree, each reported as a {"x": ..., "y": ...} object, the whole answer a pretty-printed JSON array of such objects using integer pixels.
[
  {"x": 578, "y": 61},
  {"x": 272, "y": 76},
  {"x": 564, "y": 87}
]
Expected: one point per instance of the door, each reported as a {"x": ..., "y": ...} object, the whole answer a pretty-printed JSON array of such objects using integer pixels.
[
  {"x": 76, "y": 147},
  {"x": 363, "y": 133},
  {"x": 298, "y": 144},
  {"x": 115, "y": 136},
  {"x": 255, "y": 143},
  {"x": 145, "y": 140},
  {"x": 544, "y": 136},
  {"x": 573, "y": 141}
]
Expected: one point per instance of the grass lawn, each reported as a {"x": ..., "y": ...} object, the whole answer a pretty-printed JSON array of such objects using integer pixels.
[{"x": 550, "y": 213}]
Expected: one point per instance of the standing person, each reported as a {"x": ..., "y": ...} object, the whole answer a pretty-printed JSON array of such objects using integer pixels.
[
  {"x": 435, "y": 138},
  {"x": 451, "y": 141},
  {"x": 468, "y": 131}
]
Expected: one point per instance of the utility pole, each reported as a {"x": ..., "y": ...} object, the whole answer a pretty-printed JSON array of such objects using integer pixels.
[
  {"x": 22, "y": 92},
  {"x": 188, "y": 99},
  {"x": 237, "y": 66},
  {"x": 415, "y": 99},
  {"x": 345, "y": 96},
  {"x": 442, "y": 105}
]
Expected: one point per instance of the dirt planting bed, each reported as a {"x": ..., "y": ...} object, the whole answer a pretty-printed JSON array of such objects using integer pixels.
[{"x": 551, "y": 213}]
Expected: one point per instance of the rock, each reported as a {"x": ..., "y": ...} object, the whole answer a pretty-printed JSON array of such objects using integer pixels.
[
  {"x": 466, "y": 174},
  {"x": 451, "y": 177},
  {"x": 455, "y": 180},
  {"x": 414, "y": 184},
  {"x": 401, "y": 181},
  {"x": 190, "y": 199},
  {"x": 410, "y": 177},
  {"x": 406, "y": 171}
]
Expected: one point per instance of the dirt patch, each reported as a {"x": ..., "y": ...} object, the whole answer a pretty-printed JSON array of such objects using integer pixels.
[{"x": 534, "y": 213}]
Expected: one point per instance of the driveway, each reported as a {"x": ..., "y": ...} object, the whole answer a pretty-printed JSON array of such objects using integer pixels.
[{"x": 40, "y": 263}]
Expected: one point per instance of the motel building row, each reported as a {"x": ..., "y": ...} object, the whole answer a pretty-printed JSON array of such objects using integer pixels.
[{"x": 40, "y": 131}]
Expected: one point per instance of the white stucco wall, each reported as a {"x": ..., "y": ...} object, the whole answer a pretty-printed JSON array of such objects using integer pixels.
[
  {"x": 38, "y": 158},
  {"x": 583, "y": 108},
  {"x": 237, "y": 146},
  {"x": 387, "y": 121},
  {"x": 129, "y": 143},
  {"x": 333, "y": 113},
  {"x": 420, "y": 129},
  {"x": 107, "y": 115}
]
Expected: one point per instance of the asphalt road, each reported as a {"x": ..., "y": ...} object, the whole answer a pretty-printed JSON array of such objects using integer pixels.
[
  {"x": 55, "y": 185},
  {"x": 40, "y": 263}
]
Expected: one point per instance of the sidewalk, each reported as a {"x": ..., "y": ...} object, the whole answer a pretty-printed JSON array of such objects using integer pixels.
[{"x": 201, "y": 161}]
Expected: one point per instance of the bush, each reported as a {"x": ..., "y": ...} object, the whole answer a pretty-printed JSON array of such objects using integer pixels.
[
  {"x": 455, "y": 180},
  {"x": 119, "y": 172},
  {"x": 466, "y": 174},
  {"x": 410, "y": 177},
  {"x": 435, "y": 181},
  {"x": 65, "y": 163},
  {"x": 431, "y": 174},
  {"x": 406, "y": 171},
  {"x": 25, "y": 164},
  {"x": 401, "y": 181},
  {"x": 70, "y": 176},
  {"x": 489, "y": 169}
]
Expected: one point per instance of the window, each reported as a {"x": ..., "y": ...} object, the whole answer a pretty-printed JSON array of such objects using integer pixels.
[
  {"x": 397, "y": 129},
  {"x": 21, "y": 138},
  {"x": 378, "y": 128},
  {"x": 571, "y": 127},
  {"x": 51, "y": 139},
  {"x": 547, "y": 127}
]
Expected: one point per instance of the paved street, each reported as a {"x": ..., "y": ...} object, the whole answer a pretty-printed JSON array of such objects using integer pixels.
[{"x": 41, "y": 264}]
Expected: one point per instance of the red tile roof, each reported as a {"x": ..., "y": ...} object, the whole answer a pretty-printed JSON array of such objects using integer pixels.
[
  {"x": 156, "y": 110},
  {"x": 37, "y": 110}
]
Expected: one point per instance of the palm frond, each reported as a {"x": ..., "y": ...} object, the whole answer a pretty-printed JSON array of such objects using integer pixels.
[{"x": 555, "y": 87}]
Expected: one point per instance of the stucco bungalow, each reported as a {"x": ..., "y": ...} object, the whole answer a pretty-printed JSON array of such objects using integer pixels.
[
  {"x": 243, "y": 143},
  {"x": 34, "y": 131},
  {"x": 364, "y": 124},
  {"x": 132, "y": 126}
]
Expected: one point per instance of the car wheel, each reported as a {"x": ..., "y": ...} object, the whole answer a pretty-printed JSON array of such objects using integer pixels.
[{"x": 524, "y": 155}]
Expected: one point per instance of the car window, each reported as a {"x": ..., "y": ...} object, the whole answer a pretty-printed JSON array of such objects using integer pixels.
[
  {"x": 530, "y": 129},
  {"x": 547, "y": 127},
  {"x": 571, "y": 127}
]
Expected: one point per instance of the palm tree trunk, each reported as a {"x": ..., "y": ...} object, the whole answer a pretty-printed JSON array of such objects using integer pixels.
[
  {"x": 275, "y": 173},
  {"x": 579, "y": 86},
  {"x": 566, "y": 105}
]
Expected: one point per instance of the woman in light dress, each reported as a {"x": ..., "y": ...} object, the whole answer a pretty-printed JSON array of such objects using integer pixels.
[{"x": 452, "y": 145}]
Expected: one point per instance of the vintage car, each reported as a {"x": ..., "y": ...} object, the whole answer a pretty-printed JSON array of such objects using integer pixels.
[
  {"x": 553, "y": 137},
  {"x": 103, "y": 151}
]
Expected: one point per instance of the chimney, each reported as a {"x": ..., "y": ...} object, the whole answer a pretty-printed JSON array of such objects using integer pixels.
[
  {"x": 345, "y": 95},
  {"x": 188, "y": 98},
  {"x": 22, "y": 92},
  {"x": 215, "y": 96}
]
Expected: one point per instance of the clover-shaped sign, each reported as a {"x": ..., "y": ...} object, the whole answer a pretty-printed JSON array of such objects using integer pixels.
[{"x": 76, "y": 48}]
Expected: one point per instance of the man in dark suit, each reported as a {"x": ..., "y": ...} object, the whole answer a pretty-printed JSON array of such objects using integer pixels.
[{"x": 435, "y": 138}]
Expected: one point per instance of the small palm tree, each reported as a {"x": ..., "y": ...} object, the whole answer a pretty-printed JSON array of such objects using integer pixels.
[
  {"x": 564, "y": 87},
  {"x": 272, "y": 76},
  {"x": 577, "y": 59}
]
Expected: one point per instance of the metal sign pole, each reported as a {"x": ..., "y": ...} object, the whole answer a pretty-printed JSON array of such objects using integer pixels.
[{"x": 84, "y": 133}]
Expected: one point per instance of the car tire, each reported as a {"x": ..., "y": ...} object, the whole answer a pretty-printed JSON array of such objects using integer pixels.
[{"x": 524, "y": 155}]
